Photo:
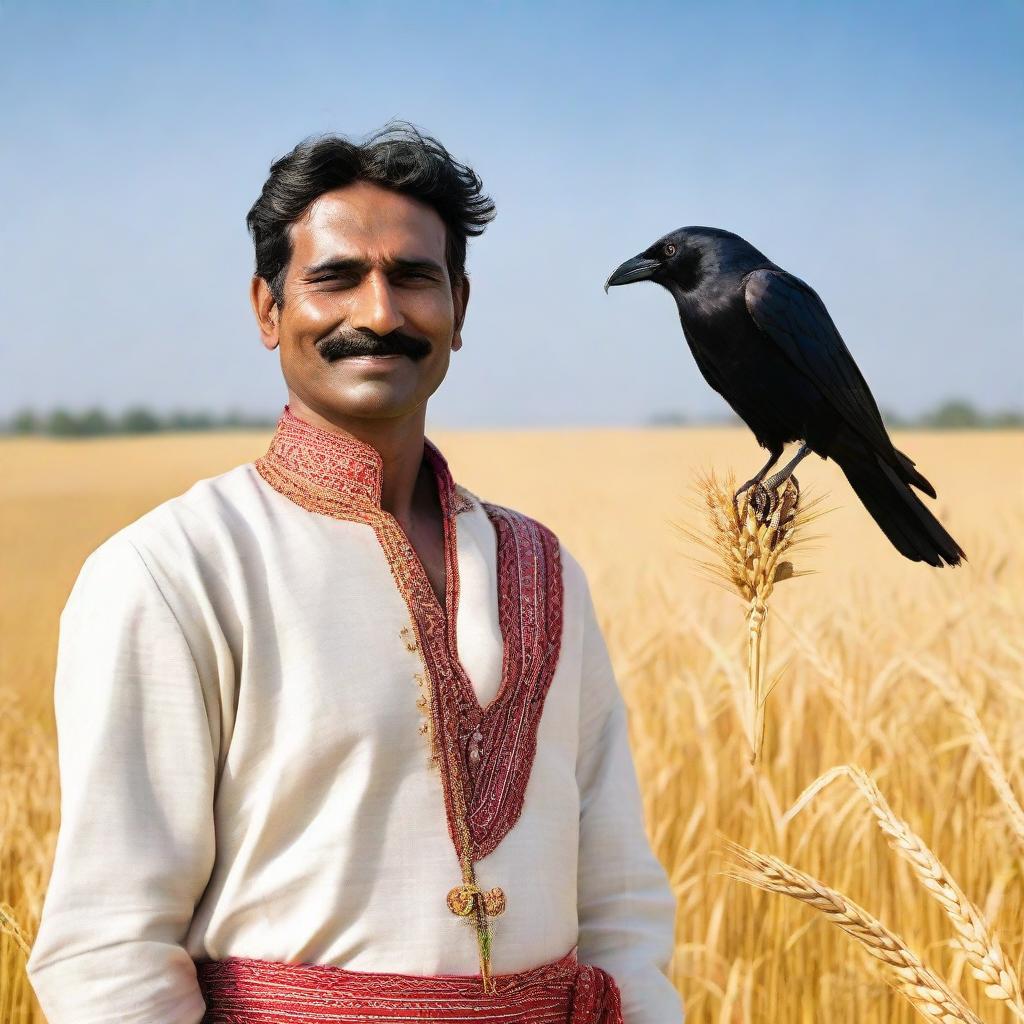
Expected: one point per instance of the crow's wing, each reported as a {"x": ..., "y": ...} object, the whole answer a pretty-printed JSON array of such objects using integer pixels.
[{"x": 790, "y": 313}]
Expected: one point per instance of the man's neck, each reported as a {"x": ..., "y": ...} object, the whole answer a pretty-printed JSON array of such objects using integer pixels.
[{"x": 400, "y": 444}]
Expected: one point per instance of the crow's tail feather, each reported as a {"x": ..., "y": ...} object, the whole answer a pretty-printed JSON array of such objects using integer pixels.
[
  {"x": 911, "y": 528},
  {"x": 908, "y": 474}
]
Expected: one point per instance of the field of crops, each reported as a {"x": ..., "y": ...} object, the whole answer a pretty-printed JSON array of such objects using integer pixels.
[{"x": 914, "y": 675}]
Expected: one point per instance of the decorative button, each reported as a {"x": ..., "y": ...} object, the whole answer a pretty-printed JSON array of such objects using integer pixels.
[
  {"x": 474, "y": 746},
  {"x": 462, "y": 897},
  {"x": 494, "y": 902}
]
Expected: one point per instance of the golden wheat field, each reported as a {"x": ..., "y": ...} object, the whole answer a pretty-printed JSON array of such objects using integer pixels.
[{"x": 913, "y": 677}]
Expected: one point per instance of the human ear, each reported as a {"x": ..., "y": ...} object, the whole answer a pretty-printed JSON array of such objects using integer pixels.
[
  {"x": 460, "y": 295},
  {"x": 266, "y": 310}
]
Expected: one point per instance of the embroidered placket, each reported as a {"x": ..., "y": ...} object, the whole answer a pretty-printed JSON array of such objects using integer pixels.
[{"x": 483, "y": 754}]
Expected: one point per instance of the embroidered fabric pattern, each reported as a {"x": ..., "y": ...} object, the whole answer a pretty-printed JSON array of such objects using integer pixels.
[
  {"x": 484, "y": 755},
  {"x": 503, "y": 736},
  {"x": 238, "y": 990}
]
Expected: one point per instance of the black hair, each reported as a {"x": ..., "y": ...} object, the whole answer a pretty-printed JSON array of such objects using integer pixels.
[{"x": 397, "y": 156}]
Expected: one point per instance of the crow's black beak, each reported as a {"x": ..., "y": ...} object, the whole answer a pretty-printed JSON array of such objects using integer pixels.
[{"x": 639, "y": 268}]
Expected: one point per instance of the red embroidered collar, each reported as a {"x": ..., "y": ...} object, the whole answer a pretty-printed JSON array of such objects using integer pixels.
[
  {"x": 346, "y": 465},
  {"x": 483, "y": 754}
]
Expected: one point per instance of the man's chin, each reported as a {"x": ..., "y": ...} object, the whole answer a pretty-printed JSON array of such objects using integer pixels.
[
  {"x": 354, "y": 369},
  {"x": 372, "y": 396}
]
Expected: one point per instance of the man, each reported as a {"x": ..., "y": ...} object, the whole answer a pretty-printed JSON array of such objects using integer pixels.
[{"x": 338, "y": 739}]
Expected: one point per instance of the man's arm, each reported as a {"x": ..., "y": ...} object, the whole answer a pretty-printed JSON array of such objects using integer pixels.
[
  {"x": 136, "y": 841},
  {"x": 626, "y": 905}
]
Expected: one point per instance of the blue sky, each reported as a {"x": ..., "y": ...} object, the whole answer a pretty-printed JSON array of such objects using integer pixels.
[{"x": 874, "y": 149}]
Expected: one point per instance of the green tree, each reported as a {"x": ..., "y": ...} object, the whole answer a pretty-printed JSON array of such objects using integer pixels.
[
  {"x": 1007, "y": 418},
  {"x": 953, "y": 414},
  {"x": 61, "y": 423},
  {"x": 25, "y": 421},
  {"x": 93, "y": 422},
  {"x": 139, "y": 420}
]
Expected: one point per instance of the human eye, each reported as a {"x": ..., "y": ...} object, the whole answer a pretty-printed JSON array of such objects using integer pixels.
[
  {"x": 414, "y": 276},
  {"x": 335, "y": 279}
]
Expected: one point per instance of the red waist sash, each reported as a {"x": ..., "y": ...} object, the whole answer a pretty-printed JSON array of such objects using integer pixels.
[{"x": 238, "y": 990}]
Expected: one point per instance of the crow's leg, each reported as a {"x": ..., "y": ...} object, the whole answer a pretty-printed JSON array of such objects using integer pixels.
[
  {"x": 776, "y": 454},
  {"x": 765, "y": 495},
  {"x": 772, "y": 483}
]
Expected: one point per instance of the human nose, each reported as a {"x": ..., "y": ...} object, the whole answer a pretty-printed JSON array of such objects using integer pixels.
[{"x": 375, "y": 306}]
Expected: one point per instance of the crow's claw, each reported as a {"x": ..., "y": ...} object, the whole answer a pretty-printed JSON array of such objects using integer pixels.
[
  {"x": 765, "y": 502},
  {"x": 736, "y": 496}
]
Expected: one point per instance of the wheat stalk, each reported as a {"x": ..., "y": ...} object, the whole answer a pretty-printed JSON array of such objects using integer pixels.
[
  {"x": 981, "y": 947},
  {"x": 919, "y": 985},
  {"x": 750, "y": 538},
  {"x": 962, "y": 705}
]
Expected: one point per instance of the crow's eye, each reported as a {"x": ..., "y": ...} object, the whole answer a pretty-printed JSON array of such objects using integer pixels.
[{"x": 670, "y": 249}]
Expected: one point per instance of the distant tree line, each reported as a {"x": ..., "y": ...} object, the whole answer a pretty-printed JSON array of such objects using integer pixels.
[
  {"x": 953, "y": 414},
  {"x": 956, "y": 414},
  {"x": 97, "y": 422}
]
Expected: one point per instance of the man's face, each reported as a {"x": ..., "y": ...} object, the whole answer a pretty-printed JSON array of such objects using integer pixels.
[{"x": 369, "y": 317}]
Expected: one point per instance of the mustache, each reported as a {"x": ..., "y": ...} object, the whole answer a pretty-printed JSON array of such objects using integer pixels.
[{"x": 366, "y": 343}]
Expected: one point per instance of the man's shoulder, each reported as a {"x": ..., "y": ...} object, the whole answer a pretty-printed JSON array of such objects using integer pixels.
[{"x": 192, "y": 520}]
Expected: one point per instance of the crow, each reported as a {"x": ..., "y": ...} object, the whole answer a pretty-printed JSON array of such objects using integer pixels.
[{"x": 763, "y": 339}]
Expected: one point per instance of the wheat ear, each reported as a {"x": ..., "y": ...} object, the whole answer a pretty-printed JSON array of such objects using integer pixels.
[
  {"x": 9, "y": 926},
  {"x": 750, "y": 542},
  {"x": 962, "y": 705},
  {"x": 981, "y": 947},
  {"x": 919, "y": 985}
]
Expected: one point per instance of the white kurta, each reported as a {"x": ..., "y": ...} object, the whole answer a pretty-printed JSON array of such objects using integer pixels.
[{"x": 244, "y": 771}]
